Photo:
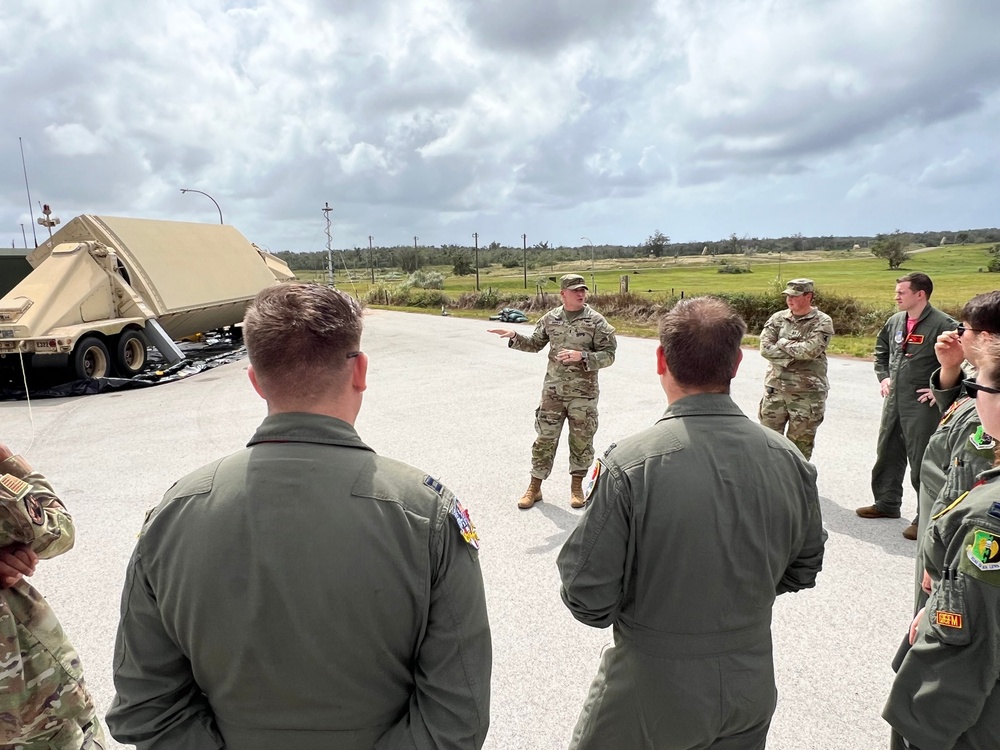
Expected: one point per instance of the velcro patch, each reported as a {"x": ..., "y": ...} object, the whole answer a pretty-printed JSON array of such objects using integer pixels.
[
  {"x": 949, "y": 619},
  {"x": 995, "y": 511},
  {"x": 982, "y": 440},
  {"x": 34, "y": 510},
  {"x": 465, "y": 524},
  {"x": 915, "y": 338},
  {"x": 434, "y": 484},
  {"x": 14, "y": 487},
  {"x": 592, "y": 476},
  {"x": 984, "y": 552}
]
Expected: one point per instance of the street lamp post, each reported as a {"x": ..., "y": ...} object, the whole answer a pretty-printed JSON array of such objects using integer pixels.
[
  {"x": 201, "y": 192},
  {"x": 524, "y": 242},
  {"x": 475, "y": 236},
  {"x": 592, "y": 282}
]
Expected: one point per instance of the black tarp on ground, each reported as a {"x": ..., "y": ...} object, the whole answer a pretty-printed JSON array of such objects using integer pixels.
[{"x": 50, "y": 382}]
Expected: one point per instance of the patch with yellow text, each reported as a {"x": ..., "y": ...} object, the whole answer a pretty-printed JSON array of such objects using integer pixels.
[{"x": 949, "y": 620}]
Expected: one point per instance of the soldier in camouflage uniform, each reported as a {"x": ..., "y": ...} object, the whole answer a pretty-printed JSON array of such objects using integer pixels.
[
  {"x": 44, "y": 703},
  {"x": 581, "y": 342},
  {"x": 794, "y": 343}
]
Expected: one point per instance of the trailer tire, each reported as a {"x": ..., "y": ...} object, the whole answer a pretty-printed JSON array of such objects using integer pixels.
[
  {"x": 130, "y": 353},
  {"x": 91, "y": 359}
]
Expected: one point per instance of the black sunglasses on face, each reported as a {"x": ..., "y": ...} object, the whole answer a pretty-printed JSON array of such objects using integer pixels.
[
  {"x": 962, "y": 329},
  {"x": 973, "y": 386}
]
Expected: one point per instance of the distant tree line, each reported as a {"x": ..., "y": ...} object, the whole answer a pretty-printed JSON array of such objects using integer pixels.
[{"x": 540, "y": 254}]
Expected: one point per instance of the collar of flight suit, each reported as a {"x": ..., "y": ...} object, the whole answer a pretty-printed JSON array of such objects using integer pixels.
[
  {"x": 698, "y": 404},
  {"x": 302, "y": 427}
]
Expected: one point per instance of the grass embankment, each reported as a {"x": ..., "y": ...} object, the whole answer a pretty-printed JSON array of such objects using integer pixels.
[{"x": 855, "y": 288}]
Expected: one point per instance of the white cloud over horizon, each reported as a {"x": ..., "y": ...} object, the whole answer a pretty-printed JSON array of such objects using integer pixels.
[{"x": 555, "y": 118}]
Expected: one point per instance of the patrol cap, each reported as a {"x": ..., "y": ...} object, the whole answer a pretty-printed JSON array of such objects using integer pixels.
[
  {"x": 572, "y": 281},
  {"x": 798, "y": 287}
]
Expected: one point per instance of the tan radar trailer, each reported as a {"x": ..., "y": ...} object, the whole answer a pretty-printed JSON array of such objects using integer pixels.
[{"x": 103, "y": 289}]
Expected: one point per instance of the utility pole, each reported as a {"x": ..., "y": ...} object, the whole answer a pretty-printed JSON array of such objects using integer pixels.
[
  {"x": 25, "y": 237},
  {"x": 524, "y": 242},
  {"x": 329, "y": 248},
  {"x": 371, "y": 257},
  {"x": 475, "y": 236}
]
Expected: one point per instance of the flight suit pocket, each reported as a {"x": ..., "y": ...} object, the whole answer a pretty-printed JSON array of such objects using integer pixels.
[{"x": 946, "y": 610}]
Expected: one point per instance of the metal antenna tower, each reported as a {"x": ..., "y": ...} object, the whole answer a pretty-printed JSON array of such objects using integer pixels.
[{"x": 329, "y": 249}]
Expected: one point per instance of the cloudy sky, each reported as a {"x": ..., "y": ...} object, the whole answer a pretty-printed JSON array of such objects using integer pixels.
[{"x": 560, "y": 119}]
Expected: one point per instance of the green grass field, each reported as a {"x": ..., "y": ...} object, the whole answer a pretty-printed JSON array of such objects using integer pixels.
[
  {"x": 955, "y": 270},
  {"x": 958, "y": 272}
]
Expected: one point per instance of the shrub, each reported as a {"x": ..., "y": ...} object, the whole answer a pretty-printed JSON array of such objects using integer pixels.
[
  {"x": 994, "y": 265},
  {"x": 425, "y": 280}
]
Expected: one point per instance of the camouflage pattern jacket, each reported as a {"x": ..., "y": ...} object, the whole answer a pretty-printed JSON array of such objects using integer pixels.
[
  {"x": 795, "y": 348},
  {"x": 43, "y": 699},
  {"x": 588, "y": 332}
]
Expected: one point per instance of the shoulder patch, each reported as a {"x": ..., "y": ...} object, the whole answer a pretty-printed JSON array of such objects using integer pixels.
[
  {"x": 13, "y": 488},
  {"x": 984, "y": 551},
  {"x": 592, "y": 476},
  {"x": 434, "y": 484},
  {"x": 34, "y": 510},
  {"x": 465, "y": 525},
  {"x": 899, "y": 337},
  {"x": 981, "y": 440}
]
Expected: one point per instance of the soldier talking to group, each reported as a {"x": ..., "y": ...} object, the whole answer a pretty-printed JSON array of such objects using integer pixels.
[
  {"x": 794, "y": 344},
  {"x": 44, "y": 702},
  {"x": 904, "y": 362},
  {"x": 581, "y": 342}
]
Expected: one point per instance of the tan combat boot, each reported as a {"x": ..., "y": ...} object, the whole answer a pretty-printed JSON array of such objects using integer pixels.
[
  {"x": 576, "y": 488},
  {"x": 531, "y": 495}
]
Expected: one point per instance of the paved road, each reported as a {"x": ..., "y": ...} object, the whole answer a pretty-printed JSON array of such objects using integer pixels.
[{"x": 448, "y": 397}]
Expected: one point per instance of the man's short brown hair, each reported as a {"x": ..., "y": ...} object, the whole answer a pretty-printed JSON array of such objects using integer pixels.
[
  {"x": 701, "y": 342},
  {"x": 299, "y": 336},
  {"x": 919, "y": 282}
]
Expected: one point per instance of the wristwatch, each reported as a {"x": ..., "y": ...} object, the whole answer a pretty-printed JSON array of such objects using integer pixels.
[{"x": 584, "y": 355}]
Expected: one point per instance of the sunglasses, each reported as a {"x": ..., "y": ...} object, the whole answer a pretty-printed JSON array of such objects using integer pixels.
[
  {"x": 978, "y": 387},
  {"x": 962, "y": 329}
]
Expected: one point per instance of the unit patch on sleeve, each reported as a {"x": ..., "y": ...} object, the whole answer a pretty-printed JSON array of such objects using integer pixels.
[
  {"x": 465, "y": 524},
  {"x": 984, "y": 552},
  {"x": 592, "y": 476},
  {"x": 13, "y": 488},
  {"x": 948, "y": 619}
]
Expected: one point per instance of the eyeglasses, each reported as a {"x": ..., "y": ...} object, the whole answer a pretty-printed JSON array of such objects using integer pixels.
[
  {"x": 962, "y": 328},
  {"x": 974, "y": 386},
  {"x": 352, "y": 355}
]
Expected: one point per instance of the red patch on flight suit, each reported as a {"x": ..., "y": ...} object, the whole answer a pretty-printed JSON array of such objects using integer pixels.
[
  {"x": 949, "y": 620},
  {"x": 915, "y": 338}
]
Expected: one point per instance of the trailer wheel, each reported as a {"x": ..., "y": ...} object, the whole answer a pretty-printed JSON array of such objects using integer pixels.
[
  {"x": 130, "y": 353},
  {"x": 91, "y": 359}
]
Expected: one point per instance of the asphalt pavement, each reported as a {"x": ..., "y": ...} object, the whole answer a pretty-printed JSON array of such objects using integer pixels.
[{"x": 452, "y": 399}]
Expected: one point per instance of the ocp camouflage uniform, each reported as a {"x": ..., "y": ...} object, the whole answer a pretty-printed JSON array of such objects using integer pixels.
[
  {"x": 44, "y": 703},
  {"x": 946, "y": 692},
  {"x": 796, "y": 385},
  {"x": 569, "y": 391}
]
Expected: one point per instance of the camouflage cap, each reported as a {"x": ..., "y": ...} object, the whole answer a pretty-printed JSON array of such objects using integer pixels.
[
  {"x": 572, "y": 281},
  {"x": 798, "y": 287}
]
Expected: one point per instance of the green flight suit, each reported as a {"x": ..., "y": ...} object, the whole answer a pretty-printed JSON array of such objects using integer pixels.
[
  {"x": 946, "y": 693},
  {"x": 907, "y": 424},
  {"x": 569, "y": 391},
  {"x": 950, "y": 465},
  {"x": 304, "y": 593},
  {"x": 692, "y": 529},
  {"x": 44, "y": 701}
]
